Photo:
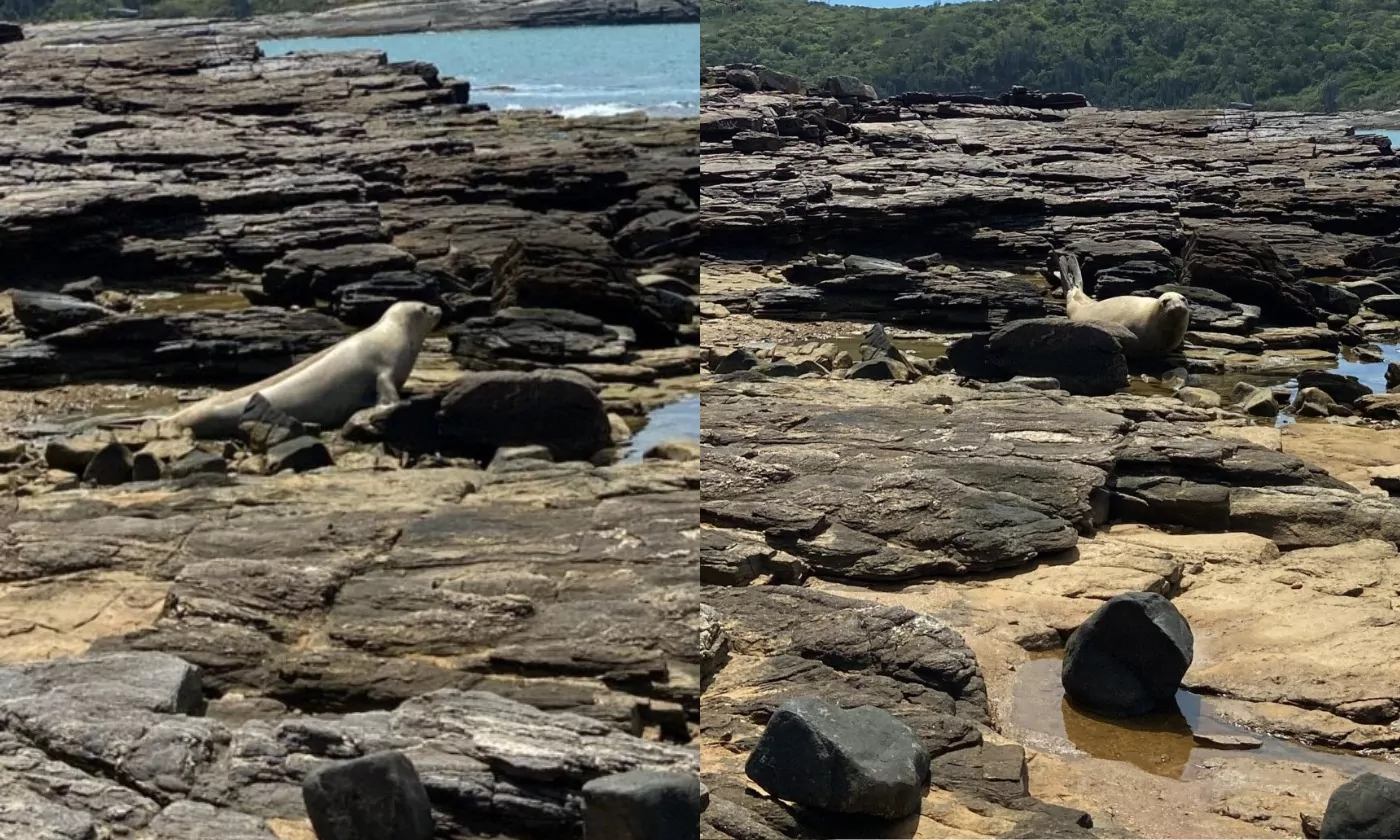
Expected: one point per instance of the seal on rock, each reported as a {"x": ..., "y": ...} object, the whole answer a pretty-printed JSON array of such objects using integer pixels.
[
  {"x": 1158, "y": 324},
  {"x": 366, "y": 369}
]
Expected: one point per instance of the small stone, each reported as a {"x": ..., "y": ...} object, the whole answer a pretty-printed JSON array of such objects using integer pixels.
[
  {"x": 197, "y": 461},
  {"x": 1255, "y": 401},
  {"x": 880, "y": 369},
  {"x": 673, "y": 450},
  {"x": 1226, "y": 742},
  {"x": 265, "y": 427},
  {"x": 111, "y": 465},
  {"x": 782, "y": 368},
  {"x": 852, "y": 761},
  {"x": 299, "y": 455},
  {"x": 642, "y": 805},
  {"x": 1312, "y": 825},
  {"x": 621, "y": 432},
  {"x": 377, "y": 797},
  {"x": 736, "y": 361},
  {"x": 1199, "y": 397},
  {"x": 507, "y": 455},
  {"x": 145, "y": 467}
]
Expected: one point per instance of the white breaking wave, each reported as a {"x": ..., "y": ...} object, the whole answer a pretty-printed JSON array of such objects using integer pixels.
[{"x": 600, "y": 109}]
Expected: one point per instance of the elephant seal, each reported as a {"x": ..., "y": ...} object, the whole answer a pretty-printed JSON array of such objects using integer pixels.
[
  {"x": 1158, "y": 324},
  {"x": 366, "y": 369}
]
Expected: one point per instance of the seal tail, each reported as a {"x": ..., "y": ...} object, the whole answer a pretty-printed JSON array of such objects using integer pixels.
[{"x": 1071, "y": 279}]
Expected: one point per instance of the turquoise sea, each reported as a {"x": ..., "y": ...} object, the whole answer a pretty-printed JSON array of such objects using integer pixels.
[
  {"x": 1392, "y": 133},
  {"x": 574, "y": 71}
]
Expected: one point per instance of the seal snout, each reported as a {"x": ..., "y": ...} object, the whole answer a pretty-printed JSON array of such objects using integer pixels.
[{"x": 1172, "y": 301}]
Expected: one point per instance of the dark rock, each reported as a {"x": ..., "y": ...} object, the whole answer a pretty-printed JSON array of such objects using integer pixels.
[
  {"x": 71, "y": 454},
  {"x": 742, "y": 79},
  {"x": 111, "y": 465},
  {"x": 376, "y": 797},
  {"x": 1387, "y": 305},
  {"x": 145, "y": 467},
  {"x": 409, "y": 426},
  {"x": 264, "y": 426},
  {"x": 882, "y": 369},
  {"x": 851, "y": 761},
  {"x": 238, "y": 346},
  {"x": 43, "y": 313},
  {"x": 876, "y": 344},
  {"x": 10, "y": 33},
  {"x": 86, "y": 290},
  {"x": 1330, "y": 297},
  {"x": 1392, "y": 375},
  {"x": 308, "y": 275},
  {"x": 482, "y": 412},
  {"x": 1128, "y": 658},
  {"x": 1368, "y": 806},
  {"x": 1247, "y": 269},
  {"x": 299, "y": 455},
  {"x": 757, "y": 141},
  {"x": 527, "y": 339},
  {"x": 782, "y": 368},
  {"x": 197, "y": 461},
  {"x": 1343, "y": 389},
  {"x": 642, "y": 805},
  {"x": 737, "y": 360},
  {"x": 582, "y": 273},
  {"x": 362, "y": 303},
  {"x": 1085, "y": 358}
]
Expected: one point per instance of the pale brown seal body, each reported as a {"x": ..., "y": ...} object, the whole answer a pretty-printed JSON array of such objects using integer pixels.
[
  {"x": 364, "y": 370},
  {"x": 1158, "y": 324}
]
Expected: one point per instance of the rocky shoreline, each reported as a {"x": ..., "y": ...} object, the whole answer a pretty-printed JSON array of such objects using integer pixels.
[
  {"x": 987, "y": 473},
  {"x": 490, "y": 578},
  {"x": 393, "y": 17}
]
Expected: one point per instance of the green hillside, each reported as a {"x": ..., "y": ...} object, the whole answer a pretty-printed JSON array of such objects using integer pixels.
[{"x": 1280, "y": 54}]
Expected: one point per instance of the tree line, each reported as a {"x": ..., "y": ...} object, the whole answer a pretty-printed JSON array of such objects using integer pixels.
[{"x": 1277, "y": 54}]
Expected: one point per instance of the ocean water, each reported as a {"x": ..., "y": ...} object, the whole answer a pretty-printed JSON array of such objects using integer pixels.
[
  {"x": 574, "y": 71},
  {"x": 1392, "y": 133},
  {"x": 679, "y": 420}
]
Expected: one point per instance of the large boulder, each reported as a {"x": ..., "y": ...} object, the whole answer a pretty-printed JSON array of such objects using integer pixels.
[
  {"x": 482, "y": 412},
  {"x": 1085, "y": 358},
  {"x": 42, "y": 313},
  {"x": 1246, "y": 268},
  {"x": 581, "y": 272},
  {"x": 1368, "y": 806},
  {"x": 852, "y": 761},
  {"x": 1128, "y": 658}
]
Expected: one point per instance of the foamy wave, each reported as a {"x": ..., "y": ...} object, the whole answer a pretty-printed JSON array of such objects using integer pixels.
[{"x": 600, "y": 109}]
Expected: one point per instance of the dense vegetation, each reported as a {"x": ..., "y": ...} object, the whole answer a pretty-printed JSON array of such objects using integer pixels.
[
  {"x": 44, "y": 10},
  {"x": 1278, "y": 54}
]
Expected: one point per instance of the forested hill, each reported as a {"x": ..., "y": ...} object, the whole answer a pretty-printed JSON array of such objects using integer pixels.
[{"x": 1280, "y": 54}]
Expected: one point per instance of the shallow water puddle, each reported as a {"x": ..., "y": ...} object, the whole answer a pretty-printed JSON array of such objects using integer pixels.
[
  {"x": 193, "y": 301},
  {"x": 1162, "y": 743},
  {"x": 676, "y": 420}
]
